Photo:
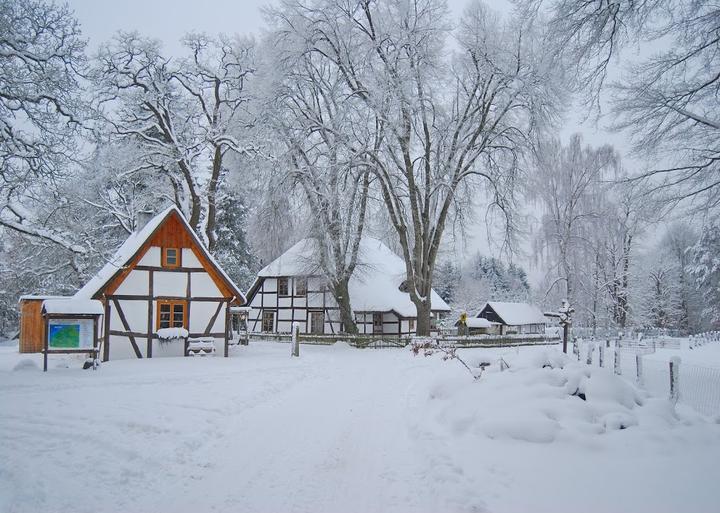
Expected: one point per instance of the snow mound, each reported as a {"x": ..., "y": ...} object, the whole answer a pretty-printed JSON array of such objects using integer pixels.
[
  {"x": 542, "y": 398},
  {"x": 536, "y": 430},
  {"x": 26, "y": 364}
]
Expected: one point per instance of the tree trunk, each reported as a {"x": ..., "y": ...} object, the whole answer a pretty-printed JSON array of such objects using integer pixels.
[
  {"x": 212, "y": 198},
  {"x": 342, "y": 297},
  {"x": 422, "y": 326}
]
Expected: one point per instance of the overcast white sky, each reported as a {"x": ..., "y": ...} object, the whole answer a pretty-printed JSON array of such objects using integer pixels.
[{"x": 169, "y": 20}]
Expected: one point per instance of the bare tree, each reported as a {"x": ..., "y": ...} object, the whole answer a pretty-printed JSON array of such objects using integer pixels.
[
  {"x": 185, "y": 115},
  {"x": 568, "y": 184},
  {"x": 444, "y": 121},
  {"x": 41, "y": 113},
  {"x": 668, "y": 101},
  {"x": 311, "y": 113}
]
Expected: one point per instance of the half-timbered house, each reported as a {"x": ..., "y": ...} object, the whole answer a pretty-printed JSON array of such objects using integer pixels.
[
  {"x": 162, "y": 277},
  {"x": 291, "y": 289}
]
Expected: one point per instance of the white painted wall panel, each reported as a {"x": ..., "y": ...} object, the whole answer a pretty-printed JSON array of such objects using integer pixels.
[
  {"x": 152, "y": 257},
  {"x": 201, "y": 284},
  {"x": 189, "y": 259},
  {"x": 135, "y": 314},
  {"x": 170, "y": 284},
  {"x": 200, "y": 314},
  {"x": 121, "y": 348},
  {"x": 137, "y": 283}
]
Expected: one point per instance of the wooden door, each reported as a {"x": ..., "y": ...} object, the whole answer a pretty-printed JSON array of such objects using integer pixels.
[
  {"x": 377, "y": 323},
  {"x": 268, "y": 321},
  {"x": 317, "y": 322}
]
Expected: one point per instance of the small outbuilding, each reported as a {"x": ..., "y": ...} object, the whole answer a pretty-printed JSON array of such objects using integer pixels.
[
  {"x": 480, "y": 326},
  {"x": 513, "y": 318},
  {"x": 32, "y": 326}
]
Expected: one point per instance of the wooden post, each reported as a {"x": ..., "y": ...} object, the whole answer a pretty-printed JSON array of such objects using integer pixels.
[
  {"x": 149, "y": 347},
  {"x": 616, "y": 366},
  {"x": 601, "y": 354},
  {"x": 639, "y": 368},
  {"x": 591, "y": 349},
  {"x": 675, "y": 379},
  {"x": 295, "y": 342},
  {"x": 228, "y": 327},
  {"x": 566, "y": 329},
  {"x": 106, "y": 331},
  {"x": 46, "y": 344}
]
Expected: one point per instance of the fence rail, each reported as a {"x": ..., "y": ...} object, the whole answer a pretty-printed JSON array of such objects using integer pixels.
[{"x": 390, "y": 341}]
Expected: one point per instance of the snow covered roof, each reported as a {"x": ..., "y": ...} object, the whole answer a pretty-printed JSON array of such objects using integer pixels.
[
  {"x": 133, "y": 244},
  {"x": 73, "y": 306},
  {"x": 516, "y": 314},
  {"x": 375, "y": 284},
  {"x": 299, "y": 260},
  {"x": 478, "y": 322},
  {"x": 38, "y": 297}
]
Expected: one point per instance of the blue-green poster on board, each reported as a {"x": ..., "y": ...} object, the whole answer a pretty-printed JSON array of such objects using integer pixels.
[{"x": 70, "y": 334}]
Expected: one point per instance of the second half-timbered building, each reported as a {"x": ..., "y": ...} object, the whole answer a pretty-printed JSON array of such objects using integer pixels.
[
  {"x": 292, "y": 290},
  {"x": 161, "y": 281}
]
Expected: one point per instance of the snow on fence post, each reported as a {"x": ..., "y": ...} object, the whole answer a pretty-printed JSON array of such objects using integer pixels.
[
  {"x": 576, "y": 348},
  {"x": 617, "y": 368},
  {"x": 591, "y": 348},
  {"x": 295, "y": 342},
  {"x": 675, "y": 379},
  {"x": 639, "y": 368},
  {"x": 601, "y": 355}
]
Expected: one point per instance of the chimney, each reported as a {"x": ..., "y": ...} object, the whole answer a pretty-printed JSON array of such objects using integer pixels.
[{"x": 142, "y": 218}]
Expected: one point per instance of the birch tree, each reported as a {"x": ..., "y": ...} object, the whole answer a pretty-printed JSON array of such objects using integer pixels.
[{"x": 444, "y": 120}]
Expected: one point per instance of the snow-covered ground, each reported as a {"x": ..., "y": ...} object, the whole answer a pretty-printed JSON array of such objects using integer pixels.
[{"x": 345, "y": 430}]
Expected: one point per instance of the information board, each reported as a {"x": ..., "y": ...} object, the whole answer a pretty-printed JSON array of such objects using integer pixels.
[{"x": 70, "y": 334}]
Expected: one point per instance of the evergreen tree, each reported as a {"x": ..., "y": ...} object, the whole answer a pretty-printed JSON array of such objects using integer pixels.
[
  {"x": 232, "y": 249},
  {"x": 447, "y": 279}
]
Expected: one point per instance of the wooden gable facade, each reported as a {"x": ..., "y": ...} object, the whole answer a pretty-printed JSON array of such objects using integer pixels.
[{"x": 168, "y": 280}]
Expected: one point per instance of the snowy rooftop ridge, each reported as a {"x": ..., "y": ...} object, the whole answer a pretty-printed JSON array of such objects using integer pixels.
[
  {"x": 73, "y": 306},
  {"x": 132, "y": 245},
  {"x": 515, "y": 314},
  {"x": 375, "y": 284}
]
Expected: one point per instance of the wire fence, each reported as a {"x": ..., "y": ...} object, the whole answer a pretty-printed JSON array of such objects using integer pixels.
[{"x": 695, "y": 385}]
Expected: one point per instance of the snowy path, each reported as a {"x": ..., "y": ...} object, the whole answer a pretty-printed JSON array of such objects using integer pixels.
[{"x": 336, "y": 430}]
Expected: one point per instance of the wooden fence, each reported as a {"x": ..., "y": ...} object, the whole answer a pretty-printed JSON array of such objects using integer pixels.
[{"x": 389, "y": 341}]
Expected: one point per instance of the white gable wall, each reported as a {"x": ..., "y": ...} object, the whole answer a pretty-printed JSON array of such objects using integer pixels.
[
  {"x": 189, "y": 259},
  {"x": 202, "y": 284},
  {"x": 137, "y": 282},
  {"x": 151, "y": 258},
  {"x": 173, "y": 284}
]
